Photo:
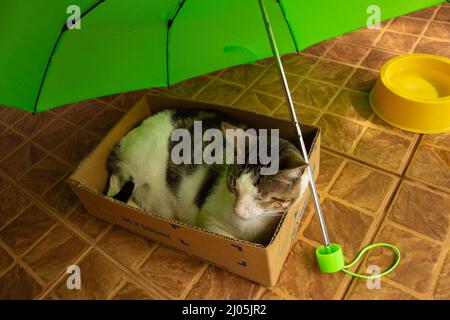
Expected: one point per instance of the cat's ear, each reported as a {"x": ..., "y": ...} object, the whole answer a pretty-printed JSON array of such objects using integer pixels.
[
  {"x": 291, "y": 174},
  {"x": 291, "y": 164},
  {"x": 290, "y": 158}
]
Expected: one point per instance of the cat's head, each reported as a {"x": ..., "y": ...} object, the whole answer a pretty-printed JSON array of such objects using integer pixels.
[{"x": 257, "y": 194}]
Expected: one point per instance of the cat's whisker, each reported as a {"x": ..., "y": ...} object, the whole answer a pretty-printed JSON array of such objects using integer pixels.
[
  {"x": 271, "y": 214},
  {"x": 270, "y": 211}
]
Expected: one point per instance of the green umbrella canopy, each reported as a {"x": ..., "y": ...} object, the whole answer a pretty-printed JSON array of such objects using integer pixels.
[{"x": 126, "y": 45}]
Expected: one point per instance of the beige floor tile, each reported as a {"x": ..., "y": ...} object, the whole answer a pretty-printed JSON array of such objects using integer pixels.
[
  {"x": 5, "y": 260},
  {"x": 17, "y": 284},
  {"x": 302, "y": 279},
  {"x": 397, "y": 42},
  {"x": 346, "y": 226},
  {"x": 243, "y": 75},
  {"x": 362, "y": 36},
  {"x": 99, "y": 277},
  {"x": 348, "y": 53},
  {"x": 55, "y": 134},
  {"x": 9, "y": 141},
  {"x": 31, "y": 124},
  {"x": 189, "y": 88},
  {"x": 216, "y": 284},
  {"x": 408, "y": 25},
  {"x": 171, "y": 271},
  {"x": 270, "y": 83},
  {"x": 81, "y": 113},
  {"x": 87, "y": 223},
  {"x": 22, "y": 160},
  {"x": 51, "y": 257},
  {"x": 426, "y": 13},
  {"x": 384, "y": 150},
  {"x": 432, "y": 166},
  {"x": 377, "y": 58},
  {"x": 126, "y": 100},
  {"x": 376, "y": 122},
  {"x": 132, "y": 292},
  {"x": 104, "y": 121},
  {"x": 220, "y": 92},
  {"x": 332, "y": 72},
  {"x": 298, "y": 64},
  {"x": 362, "y": 80},
  {"x": 419, "y": 261},
  {"x": 360, "y": 291},
  {"x": 314, "y": 94},
  {"x": 423, "y": 210},
  {"x": 338, "y": 133},
  {"x": 353, "y": 105},
  {"x": 258, "y": 102},
  {"x": 25, "y": 230},
  {"x": 77, "y": 146},
  {"x": 44, "y": 174},
  {"x": 304, "y": 114},
  {"x": 439, "y": 30},
  {"x": 330, "y": 164},
  {"x": 127, "y": 248},
  {"x": 61, "y": 198},
  {"x": 12, "y": 203},
  {"x": 9, "y": 116},
  {"x": 3, "y": 184},
  {"x": 442, "y": 290},
  {"x": 363, "y": 187},
  {"x": 271, "y": 295},
  {"x": 432, "y": 46},
  {"x": 443, "y": 14},
  {"x": 320, "y": 48},
  {"x": 438, "y": 140}
]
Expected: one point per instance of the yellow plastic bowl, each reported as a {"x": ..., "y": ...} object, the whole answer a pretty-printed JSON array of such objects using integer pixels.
[{"x": 413, "y": 93}]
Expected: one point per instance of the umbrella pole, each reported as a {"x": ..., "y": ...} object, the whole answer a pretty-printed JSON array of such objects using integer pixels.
[{"x": 294, "y": 119}]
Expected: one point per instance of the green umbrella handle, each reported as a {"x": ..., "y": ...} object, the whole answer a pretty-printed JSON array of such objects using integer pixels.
[
  {"x": 330, "y": 256},
  {"x": 331, "y": 259}
]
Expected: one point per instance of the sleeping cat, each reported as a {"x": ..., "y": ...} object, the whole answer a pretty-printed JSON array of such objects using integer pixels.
[{"x": 233, "y": 200}]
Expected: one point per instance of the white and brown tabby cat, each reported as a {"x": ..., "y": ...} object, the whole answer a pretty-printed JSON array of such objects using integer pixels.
[{"x": 233, "y": 200}]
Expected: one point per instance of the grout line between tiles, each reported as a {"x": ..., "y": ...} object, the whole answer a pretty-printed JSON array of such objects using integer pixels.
[
  {"x": 117, "y": 289},
  {"x": 417, "y": 234},
  {"x": 386, "y": 221},
  {"x": 194, "y": 281},
  {"x": 138, "y": 278},
  {"x": 379, "y": 217},
  {"x": 251, "y": 84},
  {"x": 53, "y": 285}
]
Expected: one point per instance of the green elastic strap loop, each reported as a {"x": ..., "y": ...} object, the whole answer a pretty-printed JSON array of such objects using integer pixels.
[{"x": 363, "y": 251}]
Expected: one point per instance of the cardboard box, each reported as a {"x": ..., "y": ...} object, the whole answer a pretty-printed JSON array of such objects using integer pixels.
[{"x": 252, "y": 261}]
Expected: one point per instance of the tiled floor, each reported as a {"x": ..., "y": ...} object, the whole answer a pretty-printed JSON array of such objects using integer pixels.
[{"x": 377, "y": 183}]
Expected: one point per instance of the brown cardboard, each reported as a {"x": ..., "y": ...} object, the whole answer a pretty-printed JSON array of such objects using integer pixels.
[{"x": 252, "y": 261}]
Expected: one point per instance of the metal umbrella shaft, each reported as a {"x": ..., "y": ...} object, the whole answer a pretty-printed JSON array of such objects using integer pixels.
[{"x": 294, "y": 119}]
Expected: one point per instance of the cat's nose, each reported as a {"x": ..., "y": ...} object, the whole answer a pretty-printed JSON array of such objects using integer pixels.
[{"x": 241, "y": 213}]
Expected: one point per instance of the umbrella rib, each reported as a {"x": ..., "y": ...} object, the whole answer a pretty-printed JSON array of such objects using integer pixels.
[
  {"x": 289, "y": 26},
  {"x": 169, "y": 26},
  {"x": 64, "y": 29}
]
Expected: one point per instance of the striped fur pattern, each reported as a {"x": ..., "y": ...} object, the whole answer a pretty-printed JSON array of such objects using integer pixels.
[{"x": 232, "y": 200}]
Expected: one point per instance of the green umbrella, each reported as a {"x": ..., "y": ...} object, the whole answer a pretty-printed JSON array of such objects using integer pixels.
[{"x": 126, "y": 45}]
